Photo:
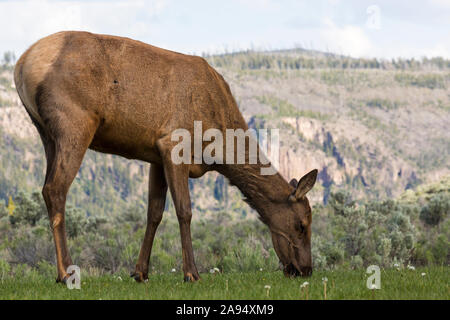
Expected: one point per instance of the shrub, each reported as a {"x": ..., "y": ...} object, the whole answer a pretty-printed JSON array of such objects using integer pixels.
[
  {"x": 31, "y": 248},
  {"x": 76, "y": 222},
  {"x": 440, "y": 250},
  {"x": 346, "y": 233},
  {"x": 5, "y": 269},
  {"x": 435, "y": 210},
  {"x": 431, "y": 81},
  {"x": 356, "y": 262},
  {"x": 30, "y": 208}
]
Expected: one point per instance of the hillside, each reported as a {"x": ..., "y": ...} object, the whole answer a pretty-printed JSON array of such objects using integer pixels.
[{"x": 375, "y": 128}]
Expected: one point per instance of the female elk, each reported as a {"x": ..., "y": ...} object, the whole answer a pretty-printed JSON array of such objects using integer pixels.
[{"x": 125, "y": 97}]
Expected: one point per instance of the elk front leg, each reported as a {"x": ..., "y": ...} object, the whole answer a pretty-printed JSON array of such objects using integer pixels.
[
  {"x": 157, "y": 190},
  {"x": 177, "y": 178}
]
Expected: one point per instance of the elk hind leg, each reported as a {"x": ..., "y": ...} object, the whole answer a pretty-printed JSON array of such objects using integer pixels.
[{"x": 66, "y": 142}]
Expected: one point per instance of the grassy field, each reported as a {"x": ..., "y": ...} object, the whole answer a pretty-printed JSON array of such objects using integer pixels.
[{"x": 422, "y": 283}]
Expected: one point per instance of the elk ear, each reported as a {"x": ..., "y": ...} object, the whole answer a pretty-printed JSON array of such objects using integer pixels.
[
  {"x": 293, "y": 183},
  {"x": 305, "y": 184}
]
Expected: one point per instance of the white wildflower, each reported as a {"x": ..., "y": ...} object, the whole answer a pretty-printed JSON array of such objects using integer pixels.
[
  {"x": 173, "y": 270},
  {"x": 411, "y": 267},
  {"x": 214, "y": 270},
  {"x": 304, "y": 284},
  {"x": 267, "y": 287},
  {"x": 423, "y": 274},
  {"x": 325, "y": 279}
]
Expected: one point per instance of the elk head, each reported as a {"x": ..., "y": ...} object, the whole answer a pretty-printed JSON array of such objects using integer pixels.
[{"x": 291, "y": 228}]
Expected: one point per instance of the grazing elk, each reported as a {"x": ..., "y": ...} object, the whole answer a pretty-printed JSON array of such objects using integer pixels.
[{"x": 120, "y": 96}]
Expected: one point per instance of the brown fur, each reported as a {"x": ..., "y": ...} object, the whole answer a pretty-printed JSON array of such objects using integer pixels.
[{"x": 125, "y": 97}]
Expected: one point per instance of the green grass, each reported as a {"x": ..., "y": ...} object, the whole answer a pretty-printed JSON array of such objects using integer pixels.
[{"x": 342, "y": 284}]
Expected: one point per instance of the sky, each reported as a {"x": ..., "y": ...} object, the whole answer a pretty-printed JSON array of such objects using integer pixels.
[{"x": 359, "y": 28}]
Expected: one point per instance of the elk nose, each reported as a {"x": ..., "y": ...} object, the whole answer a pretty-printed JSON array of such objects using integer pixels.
[{"x": 306, "y": 271}]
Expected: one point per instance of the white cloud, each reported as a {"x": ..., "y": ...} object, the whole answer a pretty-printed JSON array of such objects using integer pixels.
[
  {"x": 349, "y": 40},
  {"x": 23, "y": 22},
  {"x": 259, "y": 4},
  {"x": 203, "y": 25},
  {"x": 440, "y": 50},
  {"x": 440, "y": 3}
]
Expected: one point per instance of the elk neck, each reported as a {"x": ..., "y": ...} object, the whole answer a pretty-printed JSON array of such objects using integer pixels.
[{"x": 260, "y": 191}]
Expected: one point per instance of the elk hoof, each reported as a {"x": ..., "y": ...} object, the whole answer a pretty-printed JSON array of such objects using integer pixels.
[
  {"x": 139, "y": 276},
  {"x": 189, "y": 277},
  {"x": 62, "y": 280}
]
